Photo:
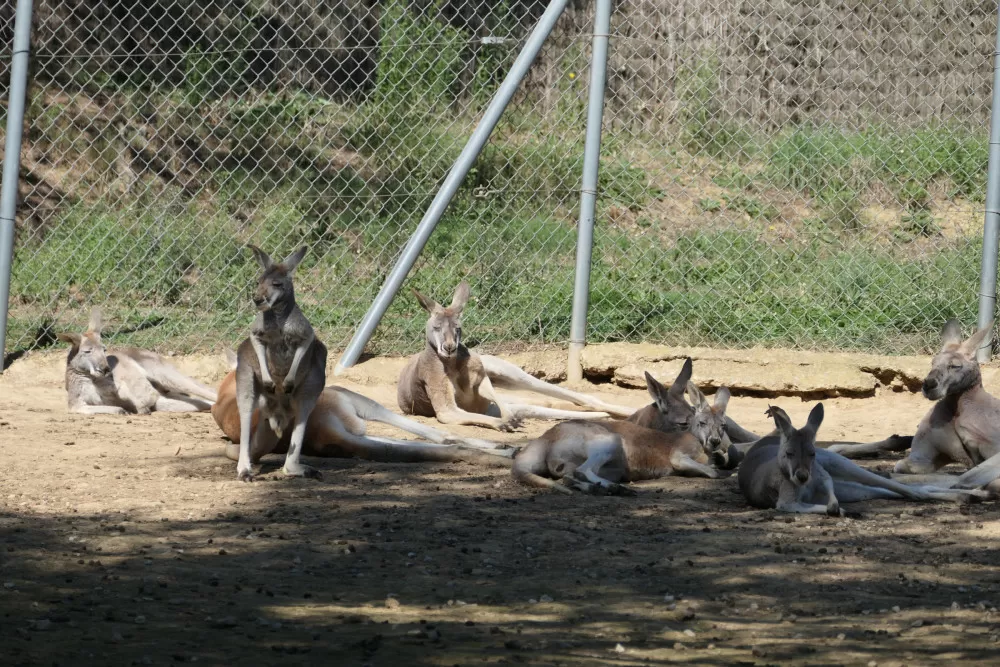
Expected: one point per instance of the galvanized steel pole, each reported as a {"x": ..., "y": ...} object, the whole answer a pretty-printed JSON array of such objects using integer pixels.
[
  {"x": 451, "y": 182},
  {"x": 991, "y": 224},
  {"x": 12, "y": 156},
  {"x": 588, "y": 191}
]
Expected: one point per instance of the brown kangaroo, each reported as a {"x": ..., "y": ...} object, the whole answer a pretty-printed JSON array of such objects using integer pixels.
[
  {"x": 337, "y": 428},
  {"x": 599, "y": 456},
  {"x": 454, "y": 384}
]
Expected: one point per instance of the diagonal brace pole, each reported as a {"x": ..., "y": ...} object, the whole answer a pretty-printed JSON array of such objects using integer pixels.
[{"x": 448, "y": 189}]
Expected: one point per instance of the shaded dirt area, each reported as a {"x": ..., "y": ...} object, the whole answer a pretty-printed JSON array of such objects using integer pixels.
[{"x": 128, "y": 541}]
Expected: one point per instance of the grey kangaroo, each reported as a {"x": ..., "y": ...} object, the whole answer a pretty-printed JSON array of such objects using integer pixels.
[
  {"x": 600, "y": 456},
  {"x": 786, "y": 471},
  {"x": 128, "y": 380},
  {"x": 454, "y": 384},
  {"x": 280, "y": 369},
  {"x": 963, "y": 426}
]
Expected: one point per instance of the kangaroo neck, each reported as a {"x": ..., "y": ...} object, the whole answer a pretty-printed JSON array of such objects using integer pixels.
[{"x": 282, "y": 309}]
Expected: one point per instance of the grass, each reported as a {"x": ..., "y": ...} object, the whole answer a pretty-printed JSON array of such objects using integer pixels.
[{"x": 174, "y": 270}]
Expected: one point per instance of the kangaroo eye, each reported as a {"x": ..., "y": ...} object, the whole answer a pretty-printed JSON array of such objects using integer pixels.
[
  {"x": 276, "y": 284},
  {"x": 954, "y": 367}
]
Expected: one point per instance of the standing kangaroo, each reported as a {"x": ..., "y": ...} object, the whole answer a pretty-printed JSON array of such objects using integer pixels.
[
  {"x": 129, "y": 380},
  {"x": 786, "y": 471},
  {"x": 455, "y": 385},
  {"x": 599, "y": 456},
  {"x": 280, "y": 369}
]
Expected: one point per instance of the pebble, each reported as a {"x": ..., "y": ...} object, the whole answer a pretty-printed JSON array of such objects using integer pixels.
[
  {"x": 545, "y": 598},
  {"x": 689, "y": 632},
  {"x": 619, "y": 648},
  {"x": 140, "y": 619}
]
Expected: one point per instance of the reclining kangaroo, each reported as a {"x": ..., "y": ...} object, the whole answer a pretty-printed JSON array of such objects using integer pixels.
[
  {"x": 454, "y": 384},
  {"x": 599, "y": 456},
  {"x": 280, "y": 370},
  {"x": 962, "y": 427},
  {"x": 128, "y": 380},
  {"x": 786, "y": 471},
  {"x": 336, "y": 428},
  {"x": 669, "y": 412}
]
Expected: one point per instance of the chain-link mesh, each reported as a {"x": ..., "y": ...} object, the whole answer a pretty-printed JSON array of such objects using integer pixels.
[{"x": 784, "y": 173}]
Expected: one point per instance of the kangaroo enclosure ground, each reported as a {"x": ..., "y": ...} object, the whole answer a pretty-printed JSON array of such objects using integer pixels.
[{"x": 128, "y": 540}]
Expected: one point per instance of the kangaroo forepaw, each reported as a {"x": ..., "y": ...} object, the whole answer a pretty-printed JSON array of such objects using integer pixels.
[
  {"x": 510, "y": 425},
  {"x": 288, "y": 386},
  {"x": 244, "y": 474},
  {"x": 267, "y": 384},
  {"x": 833, "y": 509}
]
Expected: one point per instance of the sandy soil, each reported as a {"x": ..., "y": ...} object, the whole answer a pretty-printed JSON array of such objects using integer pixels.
[{"x": 128, "y": 541}]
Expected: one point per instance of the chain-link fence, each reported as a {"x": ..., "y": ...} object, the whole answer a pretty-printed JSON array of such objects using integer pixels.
[{"x": 784, "y": 173}]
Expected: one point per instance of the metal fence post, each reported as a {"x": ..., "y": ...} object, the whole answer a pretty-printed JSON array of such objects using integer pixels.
[
  {"x": 588, "y": 190},
  {"x": 451, "y": 182},
  {"x": 991, "y": 223},
  {"x": 12, "y": 157}
]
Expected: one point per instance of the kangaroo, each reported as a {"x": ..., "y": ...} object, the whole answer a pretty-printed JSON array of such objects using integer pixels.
[
  {"x": 670, "y": 413},
  {"x": 129, "y": 380},
  {"x": 280, "y": 369},
  {"x": 336, "y": 428},
  {"x": 600, "y": 456},
  {"x": 962, "y": 427},
  {"x": 787, "y": 472},
  {"x": 448, "y": 381}
]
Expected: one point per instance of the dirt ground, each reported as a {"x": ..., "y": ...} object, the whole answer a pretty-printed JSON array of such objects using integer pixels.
[{"x": 127, "y": 540}]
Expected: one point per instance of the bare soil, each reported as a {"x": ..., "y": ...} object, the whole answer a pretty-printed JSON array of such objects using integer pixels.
[{"x": 128, "y": 541}]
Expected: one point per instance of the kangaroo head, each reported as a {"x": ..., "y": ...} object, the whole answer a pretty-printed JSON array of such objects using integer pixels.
[
  {"x": 87, "y": 354},
  {"x": 673, "y": 411},
  {"x": 954, "y": 369},
  {"x": 444, "y": 326},
  {"x": 798, "y": 446},
  {"x": 275, "y": 283},
  {"x": 709, "y": 422}
]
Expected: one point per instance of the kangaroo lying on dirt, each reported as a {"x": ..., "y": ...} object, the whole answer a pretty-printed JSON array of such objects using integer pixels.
[
  {"x": 336, "y": 428},
  {"x": 454, "y": 384},
  {"x": 280, "y": 368},
  {"x": 599, "y": 456},
  {"x": 129, "y": 380},
  {"x": 962, "y": 427},
  {"x": 669, "y": 412},
  {"x": 786, "y": 471}
]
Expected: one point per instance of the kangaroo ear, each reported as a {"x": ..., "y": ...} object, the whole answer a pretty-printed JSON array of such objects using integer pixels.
[
  {"x": 293, "y": 260},
  {"x": 815, "y": 418},
  {"x": 656, "y": 390},
  {"x": 71, "y": 338},
  {"x": 95, "y": 323},
  {"x": 262, "y": 257},
  {"x": 976, "y": 340},
  {"x": 781, "y": 419},
  {"x": 429, "y": 304},
  {"x": 231, "y": 359},
  {"x": 698, "y": 399},
  {"x": 951, "y": 333},
  {"x": 680, "y": 383},
  {"x": 722, "y": 399},
  {"x": 461, "y": 297}
]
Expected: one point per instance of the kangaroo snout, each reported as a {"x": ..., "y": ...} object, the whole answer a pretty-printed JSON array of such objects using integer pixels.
[
  {"x": 931, "y": 388},
  {"x": 802, "y": 475},
  {"x": 715, "y": 441}
]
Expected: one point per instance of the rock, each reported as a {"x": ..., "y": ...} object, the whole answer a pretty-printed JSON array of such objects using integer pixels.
[
  {"x": 545, "y": 598},
  {"x": 619, "y": 648},
  {"x": 392, "y": 603}
]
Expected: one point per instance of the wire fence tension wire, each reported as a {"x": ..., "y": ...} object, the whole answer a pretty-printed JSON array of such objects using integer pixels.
[
  {"x": 588, "y": 191},
  {"x": 12, "y": 158}
]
